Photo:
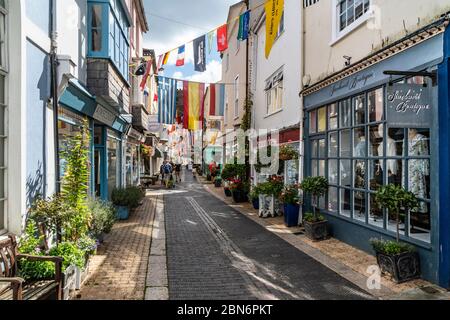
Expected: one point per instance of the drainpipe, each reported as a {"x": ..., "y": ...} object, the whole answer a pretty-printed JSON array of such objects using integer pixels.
[
  {"x": 54, "y": 90},
  {"x": 247, "y": 96}
]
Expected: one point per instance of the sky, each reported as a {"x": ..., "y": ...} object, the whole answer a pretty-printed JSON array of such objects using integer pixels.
[{"x": 173, "y": 23}]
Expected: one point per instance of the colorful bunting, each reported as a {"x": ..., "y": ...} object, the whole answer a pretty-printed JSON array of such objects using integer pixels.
[
  {"x": 193, "y": 96},
  {"x": 217, "y": 99},
  {"x": 210, "y": 40},
  {"x": 167, "y": 92},
  {"x": 160, "y": 59},
  {"x": 147, "y": 74},
  {"x": 200, "y": 54},
  {"x": 166, "y": 58},
  {"x": 180, "y": 58},
  {"x": 244, "y": 26},
  {"x": 222, "y": 38}
]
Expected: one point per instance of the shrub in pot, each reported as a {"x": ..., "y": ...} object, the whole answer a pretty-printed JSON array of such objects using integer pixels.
[
  {"x": 315, "y": 224},
  {"x": 239, "y": 190},
  {"x": 269, "y": 204},
  {"x": 126, "y": 199},
  {"x": 291, "y": 202},
  {"x": 218, "y": 182},
  {"x": 104, "y": 216},
  {"x": 398, "y": 259},
  {"x": 254, "y": 196}
]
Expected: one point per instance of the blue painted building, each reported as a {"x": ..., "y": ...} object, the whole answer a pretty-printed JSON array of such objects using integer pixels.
[{"x": 352, "y": 139}]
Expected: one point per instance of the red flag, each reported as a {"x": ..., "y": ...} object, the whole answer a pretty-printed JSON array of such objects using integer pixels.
[
  {"x": 212, "y": 101},
  {"x": 147, "y": 74},
  {"x": 222, "y": 38},
  {"x": 155, "y": 98}
]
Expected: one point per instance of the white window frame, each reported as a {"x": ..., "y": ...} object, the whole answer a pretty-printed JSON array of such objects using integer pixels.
[
  {"x": 236, "y": 97},
  {"x": 337, "y": 34},
  {"x": 274, "y": 95},
  {"x": 4, "y": 73}
]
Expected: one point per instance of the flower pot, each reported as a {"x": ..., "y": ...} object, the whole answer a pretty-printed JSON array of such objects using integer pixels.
[
  {"x": 227, "y": 192},
  {"x": 239, "y": 196},
  {"x": 255, "y": 203},
  {"x": 316, "y": 230},
  {"x": 208, "y": 177},
  {"x": 291, "y": 213},
  {"x": 285, "y": 157},
  {"x": 123, "y": 212},
  {"x": 402, "y": 267},
  {"x": 269, "y": 206},
  {"x": 218, "y": 183}
]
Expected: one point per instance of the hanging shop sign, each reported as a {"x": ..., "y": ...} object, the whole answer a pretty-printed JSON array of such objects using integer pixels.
[
  {"x": 409, "y": 105},
  {"x": 104, "y": 115}
]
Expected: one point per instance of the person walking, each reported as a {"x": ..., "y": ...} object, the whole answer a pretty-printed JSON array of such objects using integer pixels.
[
  {"x": 178, "y": 173},
  {"x": 161, "y": 171},
  {"x": 168, "y": 169}
]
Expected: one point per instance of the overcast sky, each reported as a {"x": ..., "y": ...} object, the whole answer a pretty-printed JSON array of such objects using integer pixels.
[{"x": 175, "y": 22}]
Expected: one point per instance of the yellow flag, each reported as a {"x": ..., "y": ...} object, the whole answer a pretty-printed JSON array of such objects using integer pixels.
[{"x": 274, "y": 11}]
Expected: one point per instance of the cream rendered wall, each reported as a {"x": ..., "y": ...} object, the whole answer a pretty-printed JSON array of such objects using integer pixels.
[
  {"x": 237, "y": 67},
  {"x": 389, "y": 21},
  {"x": 286, "y": 53}
]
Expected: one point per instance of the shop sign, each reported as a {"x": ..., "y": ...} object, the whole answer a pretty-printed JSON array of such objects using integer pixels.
[
  {"x": 104, "y": 115},
  {"x": 409, "y": 106}
]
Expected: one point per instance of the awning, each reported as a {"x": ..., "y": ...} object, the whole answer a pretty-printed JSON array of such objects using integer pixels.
[{"x": 77, "y": 97}]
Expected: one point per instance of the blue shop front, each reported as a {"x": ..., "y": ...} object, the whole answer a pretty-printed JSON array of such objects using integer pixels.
[
  {"x": 368, "y": 126},
  {"x": 107, "y": 128}
]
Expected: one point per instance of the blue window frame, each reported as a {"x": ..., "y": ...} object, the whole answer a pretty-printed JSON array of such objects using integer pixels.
[{"x": 108, "y": 33}]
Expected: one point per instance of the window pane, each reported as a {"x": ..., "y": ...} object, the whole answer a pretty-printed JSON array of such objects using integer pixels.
[
  {"x": 322, "y": 149},
  {"x": 350, "y": 12},
  {"x": 322, "y": 119},
  {"x": 96, "y": 16},
  {"x": 395, "y": 142},
  {"x": 333, "y": 171},
  {"x": 360, "y": 109},
  {"x": 2, "y": 41},
  {"x": 395, "y": 172},
  {"x": 2, "y": 215},
  {"x": 333, "y": 116},
  {"x": 376, "y": 214},
  {"x": 360, "y": 145},
  {"x": 376, "y": 146},
  {"x": 333, "y": 199},
  {"x": 392, "y": 222},
  {"x": 345, "y": 202},
  {"x": 345, "y": 170},
  {"x": 360, "y": 174},
  {"x": 420, "y": 223},
  {"x": 314, "y": 148},
  {"x": 419, "y": 178},
  {"x": 345, "y": 113},
  {"x": 418, "y": 142},
  {"x": 375, "y": 174},
  {"x": 314, "y": 168},
  {"x": 376, "y": 105},
  {"x": 333, "y": 138},
  {"x": 359, "y": 202},
  {"x": 359, "y": 10},
  {"x": 322, "y": 168},
  {"x": 345, "y": 145},
  {"x": 312, "y": 122}
]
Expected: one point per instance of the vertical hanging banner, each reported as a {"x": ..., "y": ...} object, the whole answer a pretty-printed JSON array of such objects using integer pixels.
[
  {"x": 210, "y": 41},
  {"x": 167, "y": 92},
  {"x": 180, "y": 57},
  {"x": 244, "y": 26},
  {"x": 200, "y": 54},
  {"x": 193, "y": 95},
  {"x": 274, "y": 12},
  {"x": 166, "y": 58},
  {"x": 222, "y": 38},
  {"x": 217, "y": 100}
]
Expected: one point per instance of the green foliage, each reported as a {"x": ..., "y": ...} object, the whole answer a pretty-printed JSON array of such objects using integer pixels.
[
  {"x": 255, "y": 192},
  {"x": 316, "y": 187},
  {"x": 312, "y": 218},
  {"x": 247, "y": 118},
  {"x": 75, "y": 181},
  {"x": 394, "y": 198},
  {"x": 129, "y": 197},
  {"x": 290, "y": 194},
  {"x": 103, "y": 216},
  {"x": 390, "y": 247},
  {"x": 87, "y": 244},
  {"x": 273, "y": 186},
  {"x": 287, "y": 152},
  {"x": 70, "y": 253},
  {"x": 231, "y": 171}
]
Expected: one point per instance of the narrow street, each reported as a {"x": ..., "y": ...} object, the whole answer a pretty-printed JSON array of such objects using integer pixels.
[{"x": 214, "y": 252}]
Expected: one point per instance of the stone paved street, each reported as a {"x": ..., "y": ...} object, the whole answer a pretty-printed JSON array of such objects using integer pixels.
[{"x": 214, "y": 252}]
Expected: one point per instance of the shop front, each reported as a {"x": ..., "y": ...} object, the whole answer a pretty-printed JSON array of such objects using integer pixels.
[
  {"x": 376, "y": 123},
  {"x": 133, "y": 161}
]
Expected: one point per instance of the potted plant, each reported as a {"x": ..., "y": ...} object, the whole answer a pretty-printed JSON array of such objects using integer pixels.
[
  {"x": 315, "y": 224},
  {"x": 269, "y": 205},
  {"x": 239, "y": 190},
  {"x": 287, "y": 152},
  {"x": 254, "y": 196},
  {"x": 290, "y": 197},
  {"x": 126, "y": 199},
  {"x": 104, "y": 216},
  {"x": 218, "y": 182},
  {"x": 400, "y": 260}
]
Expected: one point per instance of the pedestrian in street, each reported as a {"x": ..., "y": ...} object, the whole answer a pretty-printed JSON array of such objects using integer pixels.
[
  {"x": 168, "y": 169},
  {"x": 178, "y": 172},
  {"x": 161, "y": 171}
]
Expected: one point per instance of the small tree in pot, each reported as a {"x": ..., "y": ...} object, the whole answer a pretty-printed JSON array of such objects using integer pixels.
[
  {"x": 315, "y": 224},
  {"x": 398, "y": 259}
]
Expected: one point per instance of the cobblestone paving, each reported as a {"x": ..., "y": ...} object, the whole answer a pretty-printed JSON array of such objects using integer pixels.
[
  {"x": 118, "y": 271},
  {"x": 214, "y": 252}
]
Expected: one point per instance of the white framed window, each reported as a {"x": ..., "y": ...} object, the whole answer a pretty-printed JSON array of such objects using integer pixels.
[
  {"x": 274, "y": 92},
  {"x": 348, "y": 15},
  {"x": 3, "y": 112},
  {"x": 236, "y": 97}
]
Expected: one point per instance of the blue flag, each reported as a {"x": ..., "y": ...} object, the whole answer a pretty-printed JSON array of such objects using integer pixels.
[
  {"x": 244, "y": 25},
  {"x": 167, "y": 102}
]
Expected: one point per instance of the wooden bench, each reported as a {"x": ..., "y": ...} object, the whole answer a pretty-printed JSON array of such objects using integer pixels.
[{"x": 15, "y": 288}]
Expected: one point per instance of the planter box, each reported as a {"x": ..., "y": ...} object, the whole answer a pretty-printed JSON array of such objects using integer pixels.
[
  {"x": 69, "y": 281},
  {"x": 291, "y": 214},
  {"x": 82, "y": 275},
  {"x": 316, "y": 230},
  {"x": 239, "y": 196},
  {"x": 402, "y": 267},
  {"x": 269, "y": 206},
  {"x": 228, "y": 192},
  {"x": 123, "y": 213}
]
